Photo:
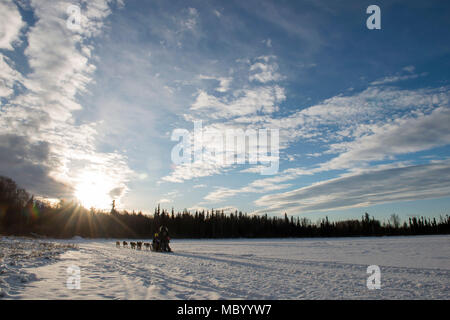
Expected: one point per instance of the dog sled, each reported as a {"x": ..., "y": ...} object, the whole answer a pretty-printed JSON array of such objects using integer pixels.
[
  {"x": 160, "y": 246},
  {"x": 160, "y": 242},
  {"x": 156, "y": 246}
]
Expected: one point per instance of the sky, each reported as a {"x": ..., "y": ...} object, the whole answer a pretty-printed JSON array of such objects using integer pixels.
[{"x": 93, "y": 93}]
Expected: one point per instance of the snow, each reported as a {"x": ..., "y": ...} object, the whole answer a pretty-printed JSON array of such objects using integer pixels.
[
  {"x": 323, "y": 268},
  {"x": 20, "y": 255}
]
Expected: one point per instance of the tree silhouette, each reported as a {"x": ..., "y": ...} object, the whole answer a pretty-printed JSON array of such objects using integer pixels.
[{"x": 21, "y": 214}]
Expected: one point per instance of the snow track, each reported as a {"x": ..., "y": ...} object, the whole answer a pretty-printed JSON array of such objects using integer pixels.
[{"x": 411, "y": 268}]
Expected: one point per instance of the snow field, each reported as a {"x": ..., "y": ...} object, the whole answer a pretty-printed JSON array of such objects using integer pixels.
[{"x": 411, "y": 268}]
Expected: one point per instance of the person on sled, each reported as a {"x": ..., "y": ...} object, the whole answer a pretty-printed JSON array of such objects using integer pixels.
[
  {"x": 156, "y": 243},
  {"x": 164, "y": 239}
]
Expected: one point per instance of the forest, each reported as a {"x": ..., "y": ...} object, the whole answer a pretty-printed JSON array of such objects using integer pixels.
[{"x": 23, "y": 215}]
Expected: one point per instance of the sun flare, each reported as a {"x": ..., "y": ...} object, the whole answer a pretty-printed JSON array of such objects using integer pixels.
[{"x": 93, "y": 190}]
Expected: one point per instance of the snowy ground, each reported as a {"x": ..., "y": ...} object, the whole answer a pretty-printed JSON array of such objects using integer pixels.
[
  {"x": 18, "y": 256},
  {"x": 411, "y": 268}
]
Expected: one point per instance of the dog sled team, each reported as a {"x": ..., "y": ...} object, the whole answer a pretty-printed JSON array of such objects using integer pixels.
[{"x": 160, "y": 242}]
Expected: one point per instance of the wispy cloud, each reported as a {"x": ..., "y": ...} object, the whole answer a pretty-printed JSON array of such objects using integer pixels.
[
  {"x": 405, "y": 135},
  {"x": 264, "y": 70},
  {"x": 9, "y": 76},
  {"x": 224, "y": 82},
  {"x": 244, "y": 102},
  {"x": 10, "y": 25},
  {"x": 393, "y": 79},
  {"x": 376, "y": 125},
  {"x": 363, "y": 189}
]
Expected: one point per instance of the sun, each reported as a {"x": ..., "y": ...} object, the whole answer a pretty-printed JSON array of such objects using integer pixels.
[{"x": 92, "y": 190}]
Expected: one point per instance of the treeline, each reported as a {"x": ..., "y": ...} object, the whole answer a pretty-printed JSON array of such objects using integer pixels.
[{"x": 21, "y": 214}]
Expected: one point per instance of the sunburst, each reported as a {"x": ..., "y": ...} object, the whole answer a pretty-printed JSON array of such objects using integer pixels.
[{"x": 93, "y": 190}]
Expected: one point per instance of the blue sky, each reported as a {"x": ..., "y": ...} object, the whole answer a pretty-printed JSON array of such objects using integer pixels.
[{"x": 362, "y": 114}]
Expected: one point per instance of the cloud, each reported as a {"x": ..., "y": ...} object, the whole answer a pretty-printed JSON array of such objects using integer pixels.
[
  {"x": 30, "y": 165},
  {"x": 61, "y": 69},
  {"x": 393, "y": 79},
  {"x": 347, "y": 117},
  {"x": 264, "y": 185},
  {"x": 399, "y": 76},
  {"x": 224, "y": 82},
  {"x": 221, "y": 194},
  {"x": 362, "y": 189},
  {"x": 268, "y": 42},
  {"x": 409, "y": 69},
  {"x": 405, "y": 135},
  {"x": 301, "y": 24},
  {"x": 117, "y": 192},
  {"x": 197, "y": 169},
  {"x": 264, "y": 71},
  {"x": 337, "y": 123},
  {"x": 210, "y": 148},
  {"x": 191, "y": 21},
  {"x": 376, "y": 125},
  {"x": 9, "y": 77},
  {"x": 259, "y": 186},
  {"x": 244, "y": 102},
  {"x": 10, "y": 25}
]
